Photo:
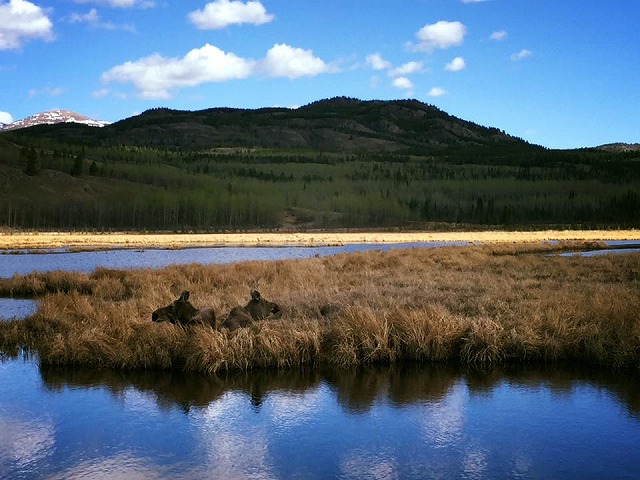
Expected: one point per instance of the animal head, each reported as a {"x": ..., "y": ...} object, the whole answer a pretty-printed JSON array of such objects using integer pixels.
[
  {"x": 178, "y": 312},
  {"x": 260, "y": 308}
]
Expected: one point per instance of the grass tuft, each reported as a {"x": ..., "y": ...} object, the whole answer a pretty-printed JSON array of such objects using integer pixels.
[{"x": 475, "y": 305}]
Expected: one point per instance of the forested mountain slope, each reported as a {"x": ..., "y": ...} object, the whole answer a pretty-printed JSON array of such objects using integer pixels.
[{"x": 338, "y": 163}]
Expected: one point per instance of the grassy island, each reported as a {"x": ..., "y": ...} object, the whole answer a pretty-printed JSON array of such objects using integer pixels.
[{"x": 475, "y": 305}]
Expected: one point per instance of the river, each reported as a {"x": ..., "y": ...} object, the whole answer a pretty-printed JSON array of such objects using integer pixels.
[
  {"x": 404, "y": 422},
  {"x": 411, "y": 421}
]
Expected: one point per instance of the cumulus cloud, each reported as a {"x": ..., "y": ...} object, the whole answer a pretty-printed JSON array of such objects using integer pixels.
[
  {"x": 399, "y": 74},
  {"x": 521, "y": 55},
  {"x": 456, "y": 65},
  {"x": 20, "y": 21},
  {"x": 154, "y": 76},
  {"x": 498, "y": 36},
  {"x": 283, "y": 60},
  {"x": 221, "y": 13},
  {"x": 406, "y": 69},
  {"x": 376, "y": 62},
  {"x": 437, "y": 92},
  {"x": 403, "y": 83},
  {"x": 440, "y": 35},
  {"x": 5, "y": 117}
]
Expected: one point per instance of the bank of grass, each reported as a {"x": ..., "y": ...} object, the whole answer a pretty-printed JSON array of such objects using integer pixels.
[
  {"x": 477, "y": 305},
  {"x": 18, "y": 241}
]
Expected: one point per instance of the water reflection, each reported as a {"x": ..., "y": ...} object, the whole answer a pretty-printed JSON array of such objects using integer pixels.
[
  {"x": 22, "y": 263},
  {"x": 25, "y": 442},
  {"x": 410, "y": 421},
  {"x": 357, "y": 391},
  {"x": 184, "y": 390},
  {"x": 12, "y": 308}
]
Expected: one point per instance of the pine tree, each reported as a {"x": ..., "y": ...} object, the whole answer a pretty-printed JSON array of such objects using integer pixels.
[
  {"x": 78, "y": 164},
  {"x": 32, "y": 161}
]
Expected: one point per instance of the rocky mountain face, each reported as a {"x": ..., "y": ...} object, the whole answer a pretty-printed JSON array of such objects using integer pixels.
[{"x": 53, "y": 117}]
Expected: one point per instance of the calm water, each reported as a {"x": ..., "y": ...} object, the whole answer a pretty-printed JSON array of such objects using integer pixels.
[
  {"x": 11, "y": 308},
  {"x": 24, "y": 262},
  {"x": 385, "y": 423},
  {"x": 414, "y": 422}
]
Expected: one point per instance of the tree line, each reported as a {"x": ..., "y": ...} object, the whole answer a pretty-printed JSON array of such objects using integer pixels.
[{"x": 95, "y": 187}]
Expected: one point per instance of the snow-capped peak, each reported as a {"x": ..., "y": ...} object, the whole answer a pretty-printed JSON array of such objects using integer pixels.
[{"x": 51, "y": 117}]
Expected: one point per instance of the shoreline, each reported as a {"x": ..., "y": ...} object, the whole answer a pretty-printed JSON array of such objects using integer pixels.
[
  {"x": 478, "y": 306},
  {"x": 74, "y": 240}
]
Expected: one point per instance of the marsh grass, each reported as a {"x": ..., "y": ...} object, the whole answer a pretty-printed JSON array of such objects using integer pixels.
[{"x": 476, "y": 305}]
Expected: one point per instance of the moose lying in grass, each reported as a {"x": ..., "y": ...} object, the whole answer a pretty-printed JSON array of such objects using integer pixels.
[
  {"x": 257, "y": 309},
  {"x": 182, "y": 312}
]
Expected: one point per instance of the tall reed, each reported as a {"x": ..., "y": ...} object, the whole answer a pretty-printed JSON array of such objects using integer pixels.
[{"x": 476, "y": 305}]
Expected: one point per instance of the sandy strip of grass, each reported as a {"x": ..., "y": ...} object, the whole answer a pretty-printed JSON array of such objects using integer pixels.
[{"x": 13, "y": 241}]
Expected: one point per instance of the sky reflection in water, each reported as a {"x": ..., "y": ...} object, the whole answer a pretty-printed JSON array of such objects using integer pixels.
[
  {"x": 417, "y": 422},
  {"x": 420, "y": 422},
  {"x": 24, "y": 262}
]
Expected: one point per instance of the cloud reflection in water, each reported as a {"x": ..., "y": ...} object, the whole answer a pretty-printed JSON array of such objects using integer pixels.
[{"x": 25, "y": 442}]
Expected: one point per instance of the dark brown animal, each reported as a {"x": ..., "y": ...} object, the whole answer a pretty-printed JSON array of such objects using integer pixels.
[
  {"x": 182, "y": 312},
  {"x": 257, "y": 309}
]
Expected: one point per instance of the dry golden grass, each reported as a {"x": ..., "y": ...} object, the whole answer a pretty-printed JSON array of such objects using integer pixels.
[
  {"x": 477, "y": 305},
  {"x": 81, "y": 241}
]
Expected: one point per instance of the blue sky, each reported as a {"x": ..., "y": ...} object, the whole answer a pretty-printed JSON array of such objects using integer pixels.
[{"x": 559, "y": 73}]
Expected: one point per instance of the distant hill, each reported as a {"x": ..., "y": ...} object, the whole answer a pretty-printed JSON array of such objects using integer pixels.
[
  {"x": 335, "y": 125},
  {"x": 620, "y": 147},
  {"x": 52, "y": 117},
  {"x": 336, "y": 163}
]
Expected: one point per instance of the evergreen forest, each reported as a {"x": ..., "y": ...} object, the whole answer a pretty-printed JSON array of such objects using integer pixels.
[{"x": 51, "y": 179}]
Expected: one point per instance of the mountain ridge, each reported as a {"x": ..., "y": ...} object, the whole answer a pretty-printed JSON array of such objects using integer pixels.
[
  {"x": 337, "y": 163},
  {"x": 338, "y": 124},
  {"x": 52, "y": 117}
]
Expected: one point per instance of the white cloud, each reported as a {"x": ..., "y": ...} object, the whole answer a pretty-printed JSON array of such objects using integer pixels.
[
  {"x": 221, "y": 13},
  {"x": 522, "y": 54},
  {"x": 101, "y": 93},
  {"x": 473, "y": 1},
  {"x": 20, "y": 21},
  {"x": 440, "y": 35},
  {"x": 406, "y": 69},
  {"x": 456, "y": 65},
  {"x": 285, "y": 61},
  {"x": 154, "y": 76},
  {"x": 5, "y": 117},
  {"x": 92, "y": 19},
  {"x": 437, "y": 92},
  {"x": 498, "y": 36},
  {"x": 377, "y": 62},
  {"x": 121, "y": 3},
  {"x": 47, "y": 91},
  {"x": 403, "y": 83}
]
